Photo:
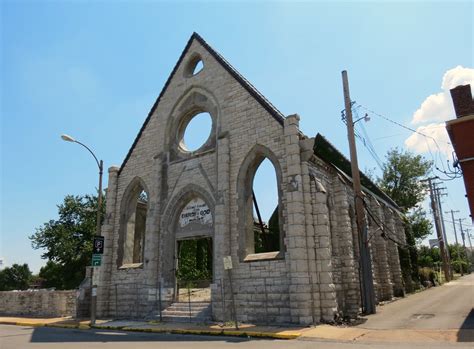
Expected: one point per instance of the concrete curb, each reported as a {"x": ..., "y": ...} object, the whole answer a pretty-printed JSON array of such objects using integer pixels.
[
  {"x": 231, "y": 333},
  {"x": 38, "y": 324}
]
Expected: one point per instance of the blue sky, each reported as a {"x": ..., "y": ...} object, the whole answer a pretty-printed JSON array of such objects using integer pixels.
[{"x": 93, "y": 69}]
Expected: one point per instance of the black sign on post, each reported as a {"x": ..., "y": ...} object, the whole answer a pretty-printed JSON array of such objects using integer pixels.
[{"x": 98, "y": 245}]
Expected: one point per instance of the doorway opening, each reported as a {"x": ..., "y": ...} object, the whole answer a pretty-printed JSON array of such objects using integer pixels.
[{"x": 194, "y": 270}]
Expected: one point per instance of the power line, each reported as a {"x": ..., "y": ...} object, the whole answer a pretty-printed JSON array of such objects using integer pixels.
[
  {"x": 450, "y": 174},
  {"x": 401, "y": 125}
]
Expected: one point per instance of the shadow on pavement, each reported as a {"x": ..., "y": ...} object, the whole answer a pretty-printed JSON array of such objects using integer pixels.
[
  {"x": 466, "y": 332},
  {"x": 62, "y": 335}
]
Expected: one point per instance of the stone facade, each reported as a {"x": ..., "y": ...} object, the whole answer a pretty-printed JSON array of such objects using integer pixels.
[
  {"x": 41, "y": 303},
  {"x": 313, "y": 277}
]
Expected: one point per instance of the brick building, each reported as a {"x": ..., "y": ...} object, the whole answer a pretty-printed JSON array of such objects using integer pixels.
[{"x": 164, "y": 194}]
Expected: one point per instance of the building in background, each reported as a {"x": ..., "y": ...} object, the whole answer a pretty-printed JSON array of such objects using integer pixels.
[{"x": 461, "y": 133}]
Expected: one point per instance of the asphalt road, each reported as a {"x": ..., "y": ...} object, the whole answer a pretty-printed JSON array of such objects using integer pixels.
[
  {"x": 450, "y": 306},
  {"x": 18, "y": 337}
]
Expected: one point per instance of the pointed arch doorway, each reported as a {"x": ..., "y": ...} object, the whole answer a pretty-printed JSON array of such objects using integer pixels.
[{"x": 194, "y": 252}]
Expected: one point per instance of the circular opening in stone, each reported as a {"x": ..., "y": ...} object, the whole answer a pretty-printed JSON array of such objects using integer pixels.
[{"x": 197, "y": 131}]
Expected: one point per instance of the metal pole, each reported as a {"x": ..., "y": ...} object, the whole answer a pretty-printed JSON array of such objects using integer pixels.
[
  {"x": 189, "y": 300},
  {"x": 159, "y": 299},
  {"x": 100, "y": 164},
  {"x": 116, "y": 300},
  {"x": 233, "y": 300},
  {"x": 98, "y": 233},
  {"x": 368, "y": 293}
]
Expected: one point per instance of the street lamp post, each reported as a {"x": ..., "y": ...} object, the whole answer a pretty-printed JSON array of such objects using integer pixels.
[{"x": 100, "y": 164}]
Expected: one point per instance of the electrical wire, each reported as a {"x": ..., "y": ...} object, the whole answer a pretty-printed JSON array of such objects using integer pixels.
[
  {"x": 449, "y": 173},
  {"x": 385, "y": 229}
]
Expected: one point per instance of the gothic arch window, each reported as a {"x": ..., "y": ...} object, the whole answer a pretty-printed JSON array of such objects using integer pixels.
[
  {"x": 133, "y": 219},
  {"x": 194, "y": 66},
  {"x": 260, "y": 206}
]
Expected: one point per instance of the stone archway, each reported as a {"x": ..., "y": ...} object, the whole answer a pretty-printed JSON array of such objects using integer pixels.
[
  {"x": 187, "y": 243},
  {"x": 194, "y": 257}
]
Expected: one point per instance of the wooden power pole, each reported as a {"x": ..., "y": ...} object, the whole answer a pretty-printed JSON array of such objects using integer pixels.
[
  {"x": 456, "y": 238},
  {"x": 434, "y": 208},
  {"x": 368, "y": 294}
]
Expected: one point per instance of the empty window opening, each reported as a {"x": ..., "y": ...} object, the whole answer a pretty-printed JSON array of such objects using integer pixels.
[
  {"x": 266, "y": 226},
  {"x": 194, "y": 66},
  {"x": 197, "y": 132},
  {"x": 135, "y": 227},
  {"x": 198, "y": 67}
]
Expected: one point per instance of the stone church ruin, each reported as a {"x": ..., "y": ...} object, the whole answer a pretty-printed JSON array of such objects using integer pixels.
[{"x": 301, "y": 266}]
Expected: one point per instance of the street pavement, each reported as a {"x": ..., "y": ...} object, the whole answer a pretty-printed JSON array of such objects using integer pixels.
[
  {"x": 450, "y": 306},
  {"x": 438, "y": 317},
  {"x": 22, "y": 337}
]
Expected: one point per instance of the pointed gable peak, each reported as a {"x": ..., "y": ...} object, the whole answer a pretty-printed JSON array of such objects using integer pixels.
[{"x": 265, "y": 103}]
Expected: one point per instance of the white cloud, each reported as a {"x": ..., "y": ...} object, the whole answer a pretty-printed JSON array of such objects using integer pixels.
[
  {"x": 422, "y": 144},
  {"x": 435, "y": 109},
  {"x": 457, "y": 76},
  {"x": 438, "y": 106}
]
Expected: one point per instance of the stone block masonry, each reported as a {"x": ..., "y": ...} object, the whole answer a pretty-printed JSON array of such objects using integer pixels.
[
  {"x": 40, "y": 303},
  {"x": 312, "y": 275}
]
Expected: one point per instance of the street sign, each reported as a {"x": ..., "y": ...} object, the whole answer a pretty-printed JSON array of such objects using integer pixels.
[
  {"x": 96, "y": 260},
  {"x": 98, "y": 245}
]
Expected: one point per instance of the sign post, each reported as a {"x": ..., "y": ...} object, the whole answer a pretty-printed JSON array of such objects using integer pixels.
[{"x": 228, "y": 266}]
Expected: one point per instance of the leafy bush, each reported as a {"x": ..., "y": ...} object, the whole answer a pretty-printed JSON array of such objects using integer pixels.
[{"x": 427, "y": 274}]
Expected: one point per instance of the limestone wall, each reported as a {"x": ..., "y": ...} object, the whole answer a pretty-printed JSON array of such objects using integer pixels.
[
  {"x": 313, "y": 277},
  {"x": 40, "y": 303}
]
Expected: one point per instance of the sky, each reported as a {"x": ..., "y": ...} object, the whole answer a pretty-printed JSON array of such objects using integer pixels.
[{"x": 93, "y": 69}]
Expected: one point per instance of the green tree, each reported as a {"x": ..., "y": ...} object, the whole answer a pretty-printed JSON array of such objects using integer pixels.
[
  {"x": 420, "y": 225},
  {"x": 402, "y": 172},
  {"x": 459, "y": 257},
  {"x": 68, "y": 241},
  {"x": 401, "y": 180},
  {"x": 16, "y": 277}
]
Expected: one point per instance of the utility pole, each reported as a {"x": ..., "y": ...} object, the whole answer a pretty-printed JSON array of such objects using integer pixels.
[
  {"x": 470, "y": 250},
  {"x": 368, "y": 294},
  {"x": 456, "y": 238},
  {"x": 462, "y": 236},
  {"x": 469, "y": 238},
  {"x": 454, "y": 225},
  {"x": 443, "y": 226},
  {"x": 434, "y": 208}
]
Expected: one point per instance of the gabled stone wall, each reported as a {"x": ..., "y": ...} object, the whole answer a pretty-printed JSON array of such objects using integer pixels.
[{"x": 313, "y": 277}]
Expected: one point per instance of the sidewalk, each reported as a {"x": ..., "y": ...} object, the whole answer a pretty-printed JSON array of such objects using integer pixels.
[
  {"x": 319, "y": 332},
  {"x": 245, "y": 330}
]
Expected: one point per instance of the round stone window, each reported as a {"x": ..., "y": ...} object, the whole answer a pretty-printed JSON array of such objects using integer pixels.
[{"x": 196, "y": 132}]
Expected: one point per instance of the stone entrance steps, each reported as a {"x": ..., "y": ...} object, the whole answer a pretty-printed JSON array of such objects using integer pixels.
[{"x": 188, "y": 312}]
